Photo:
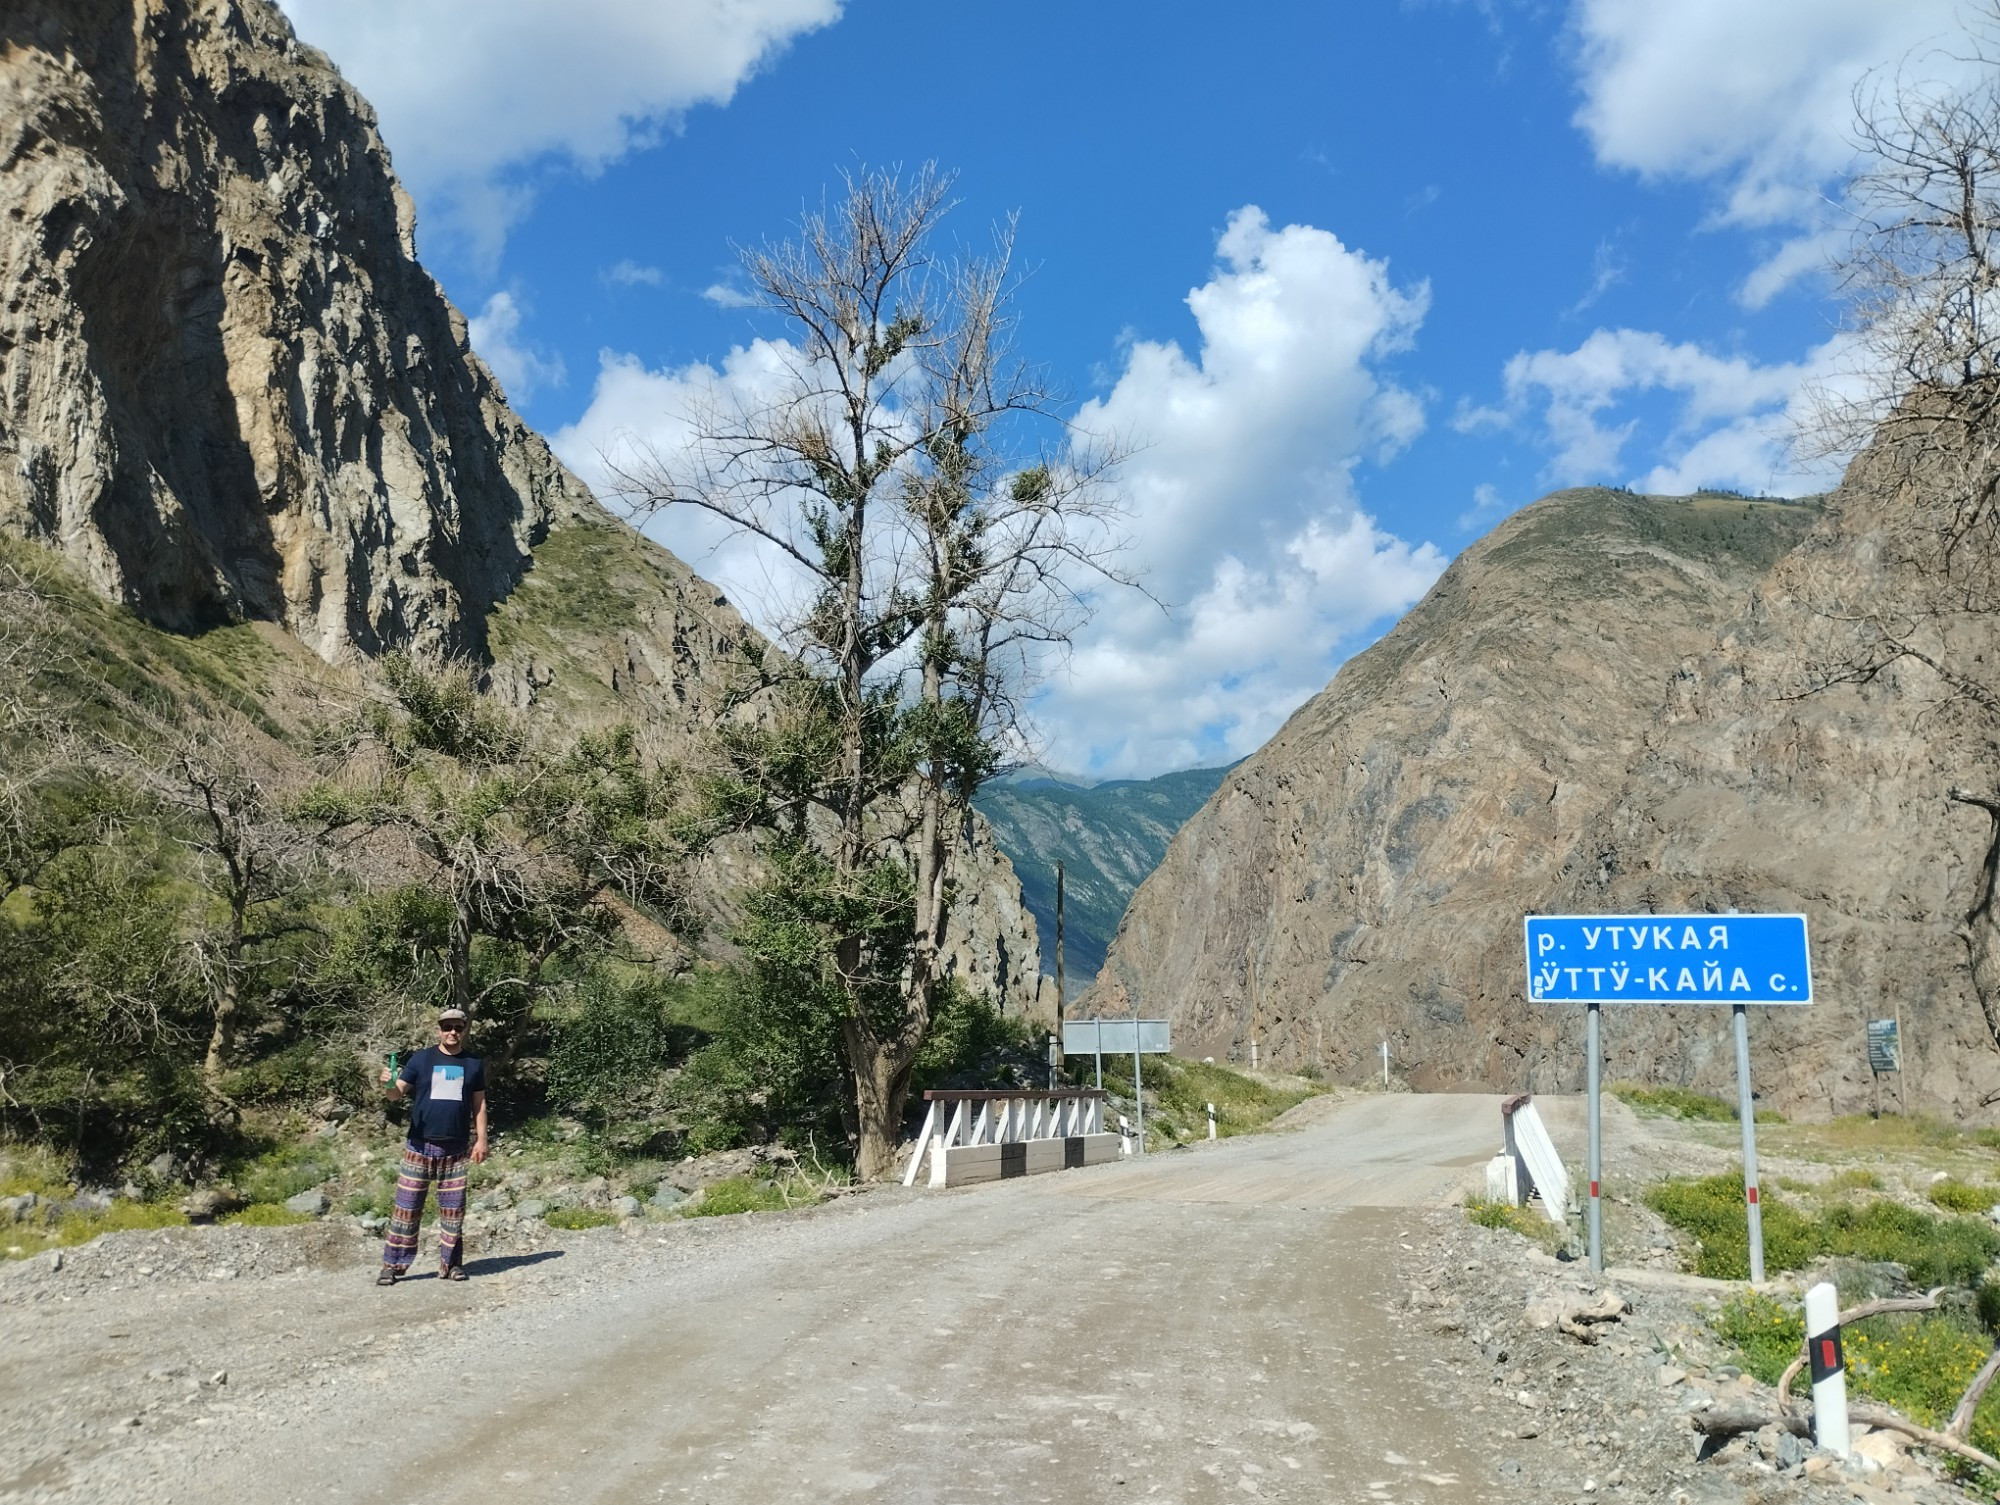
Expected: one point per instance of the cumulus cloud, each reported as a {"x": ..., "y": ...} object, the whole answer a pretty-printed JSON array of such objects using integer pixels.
[
  {"x": 1243, "y": 510},
  {"x": 496, "y": 334},
  {"x": 468, "y": 94},
  {"x": 1757, "y": 98},
  {"x": 636, "y": 412},
  {"x": 1728, "y": 421}
]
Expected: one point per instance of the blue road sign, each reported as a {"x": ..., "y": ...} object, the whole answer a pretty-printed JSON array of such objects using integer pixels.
[{"x": 1673, "y": 958}]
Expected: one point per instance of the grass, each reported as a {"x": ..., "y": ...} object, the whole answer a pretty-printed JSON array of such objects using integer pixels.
[
  {"x": 1181, "y": 1090},
  {"x": 1530, "y": 1225},
  {"x": 1683, "y": 1103},
  {"x": 1935, "y": 1250},
  {"x": 577, "y": 1218},
  {"x": 283, "y": 1171},
  {"x": 735, "y": 1194},
  {"x": 22, "y": 1240},
  {"x": 1921, "y": 1365},
  {"x": 265, "y": 1215}
]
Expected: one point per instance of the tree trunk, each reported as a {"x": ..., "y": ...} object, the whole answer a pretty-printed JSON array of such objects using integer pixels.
[
  {"x": 881, "y": 1083},
  {"x": 1982, "y": 926}
]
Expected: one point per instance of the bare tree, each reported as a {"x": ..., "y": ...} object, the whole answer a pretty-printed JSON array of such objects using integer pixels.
[
  {"x": 910, "y": 477},
  {"x": 1919, "y": 598}
]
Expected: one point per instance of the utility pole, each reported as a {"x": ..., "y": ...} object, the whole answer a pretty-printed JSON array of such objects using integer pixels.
[{"x": 1055, "y": 1045}]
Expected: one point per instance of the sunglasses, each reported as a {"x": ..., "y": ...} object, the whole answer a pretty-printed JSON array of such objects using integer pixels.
[{"x": 450, "y": 1029}]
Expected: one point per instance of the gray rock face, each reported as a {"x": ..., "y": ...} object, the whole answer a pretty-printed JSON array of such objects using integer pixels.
[
  {"x": 229, "y": 389},
  {"x": 312, "y": 1204},
  {"x": 1597, "y": 709}
]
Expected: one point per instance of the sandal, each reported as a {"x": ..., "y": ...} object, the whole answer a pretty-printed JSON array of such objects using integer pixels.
[
  {"x": 389, "y": 1276},
  {"x": 456, "y": 1272}
]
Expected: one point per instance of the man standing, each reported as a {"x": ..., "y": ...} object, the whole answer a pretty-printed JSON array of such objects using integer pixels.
[{"x": 447, "y": 1089}]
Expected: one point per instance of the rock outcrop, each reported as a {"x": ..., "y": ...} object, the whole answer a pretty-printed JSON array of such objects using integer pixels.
[
  {"x": 1601, "y": 707},
  {"x": 229, "y": 390}
]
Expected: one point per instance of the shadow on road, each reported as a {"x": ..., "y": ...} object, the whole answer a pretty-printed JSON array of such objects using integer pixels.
[{"x": 494, "y": 1264}]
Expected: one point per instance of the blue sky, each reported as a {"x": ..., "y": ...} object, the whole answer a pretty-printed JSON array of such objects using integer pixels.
[{"x": 1361, "y": 278}]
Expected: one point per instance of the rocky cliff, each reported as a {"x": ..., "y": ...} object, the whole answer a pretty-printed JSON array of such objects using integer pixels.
[
  {"x": 1601, "y": 707},
  {"x": 229, "y": 391}
]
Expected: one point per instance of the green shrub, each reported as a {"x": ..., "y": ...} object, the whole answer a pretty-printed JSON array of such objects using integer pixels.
[
  {"x": 1767, "y": 1333},
  {"x": 1854, "y": 1178},
  {"x": 1935, "y": 1251},
  {"x": 1504, "y": 1215},
  {"x": 1962, "y": 1197},
  {"x": 265, "y": 1215},
  {"x": 742, "y": 1194},
  {"x": 280, "y": 1173},
  {"x": 1672, "y": 1102},
  {"x": 577, "y": 1218}
]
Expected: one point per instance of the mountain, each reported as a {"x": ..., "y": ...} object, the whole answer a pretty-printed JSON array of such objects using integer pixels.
[
  {"x": 231, "y": 394},
  {"x": 1108, "y": 837},
  {"x": 1601, "y": 707}
]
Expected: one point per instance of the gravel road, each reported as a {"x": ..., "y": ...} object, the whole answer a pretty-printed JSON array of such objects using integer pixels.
[{"x": 1193, "y": 1326}]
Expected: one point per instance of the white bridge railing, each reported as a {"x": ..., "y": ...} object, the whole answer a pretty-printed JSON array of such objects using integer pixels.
[{"x": 989, "y": 1136}]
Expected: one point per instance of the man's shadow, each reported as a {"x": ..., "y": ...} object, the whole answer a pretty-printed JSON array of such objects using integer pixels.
[{"x": 496, "y": 1264}]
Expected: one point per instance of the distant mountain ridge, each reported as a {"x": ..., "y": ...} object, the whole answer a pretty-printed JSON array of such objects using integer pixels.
[{"x": 1108, "y": 836}]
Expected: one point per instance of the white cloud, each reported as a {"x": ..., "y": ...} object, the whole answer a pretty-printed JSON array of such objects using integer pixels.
[
  {"x": 629, "y": 273},
  {"x": 467, "y": 92},
  {"x": 1731, "y": 421},
  {"x": 1757, "y": 97},
  {"x": 496, "y": 334},
  {"x": 635, "y": 411},
  {"x": 1244, "y": 512},
  {"x": 722, "y": 295}
]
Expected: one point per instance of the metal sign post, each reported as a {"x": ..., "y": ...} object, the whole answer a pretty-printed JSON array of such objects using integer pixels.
[
  {"x": 1670, "y": 959},
  {"x": 1593, "y": 1160}
]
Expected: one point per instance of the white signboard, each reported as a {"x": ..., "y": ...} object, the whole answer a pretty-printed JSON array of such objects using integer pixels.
[{"x": 1115, "y": 1037}]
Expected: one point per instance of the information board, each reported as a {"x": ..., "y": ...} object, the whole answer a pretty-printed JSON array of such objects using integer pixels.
[
  {"x": 1885, "y": 1047},
  {"x": 1659, "y": 959},
  {"x": 1113, "y": 1037}
]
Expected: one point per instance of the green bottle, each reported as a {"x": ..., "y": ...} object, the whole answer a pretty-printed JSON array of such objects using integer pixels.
[{"x": 392, "y": 1066}]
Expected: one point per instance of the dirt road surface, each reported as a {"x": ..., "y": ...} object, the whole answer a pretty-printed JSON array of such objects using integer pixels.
[{"x": 1188, "y": 1327}]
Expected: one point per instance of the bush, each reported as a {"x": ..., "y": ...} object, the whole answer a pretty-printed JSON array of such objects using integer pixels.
[
  {"x": 612, "y": 1046},
  {"x": 1935, "y": 1251},
  {"x": 1766, "y": 1333},
  {"x": 1673, "y": 1102},
  {"x": 1683, "y": 1103},
  {"x": 742, "y": 1194},
  {"x": 577, "y": 1218},
  {"x": 1961, "y": 1197},
  {"x": 265, "y": 1215}
]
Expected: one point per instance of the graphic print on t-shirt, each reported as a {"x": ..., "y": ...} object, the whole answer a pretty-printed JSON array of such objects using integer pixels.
[{"x": 447, "y": 1083}]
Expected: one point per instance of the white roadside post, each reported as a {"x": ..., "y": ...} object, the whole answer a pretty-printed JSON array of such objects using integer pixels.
[
  {"x": 1211, "y": 1120},
  {"x": 1385, "y": 1063},
  {"x": 1829, "y": 1372},
  {"x": 1746, "y": 1110}
]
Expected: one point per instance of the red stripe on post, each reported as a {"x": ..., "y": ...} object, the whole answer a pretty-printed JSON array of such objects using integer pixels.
[
  {"x": 1751, "y": 1193},
  {"x": 1828, "y": 1355},
  {"x": 1593, "y": 1188}
]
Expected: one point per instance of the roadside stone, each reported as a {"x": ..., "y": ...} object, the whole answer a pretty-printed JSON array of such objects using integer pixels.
[
  {"x": 207, "y": 1203},
  {"x": 625, "y": 1207},
  {"x": 1667, "y": 1375},
  {"x": 14, "y": 1209},
  {"x": 531, "y": 1209},
  {"x": 666, "y": 1194},
  {"x": 312, "y": 1204}
]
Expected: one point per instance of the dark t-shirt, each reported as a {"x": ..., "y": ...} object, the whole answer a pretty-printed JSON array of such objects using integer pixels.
[{"x": 441, "y": 1089}]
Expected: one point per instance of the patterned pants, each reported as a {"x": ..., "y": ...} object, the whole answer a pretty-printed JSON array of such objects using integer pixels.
[{"x": 434, "y": 1163}]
